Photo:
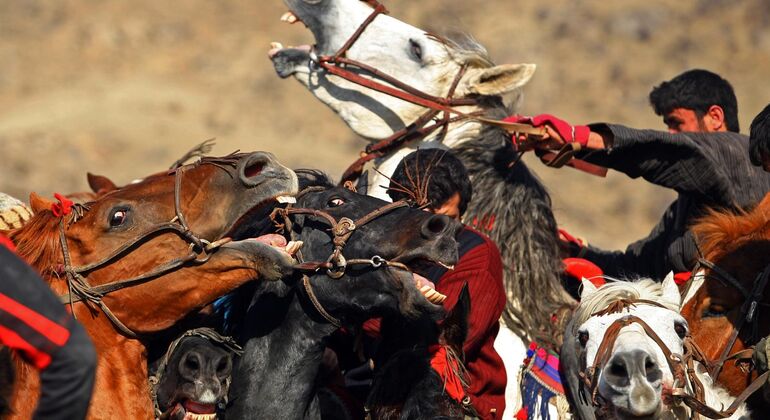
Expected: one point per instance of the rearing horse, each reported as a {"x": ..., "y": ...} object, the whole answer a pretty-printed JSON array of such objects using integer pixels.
[{"x": 140, "y": 258}]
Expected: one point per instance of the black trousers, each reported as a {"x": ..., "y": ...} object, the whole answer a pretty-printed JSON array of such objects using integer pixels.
[{"x": 34, "y": 323}]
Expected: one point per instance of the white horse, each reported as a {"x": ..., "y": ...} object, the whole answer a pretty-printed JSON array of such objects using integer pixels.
[
  {"x": 632, "y": 377},
  {"x": 509, "y": 204}
]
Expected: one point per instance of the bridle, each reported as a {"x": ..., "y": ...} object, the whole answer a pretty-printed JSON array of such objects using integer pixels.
[
  {"x": 339, "y": 65},
  {"x": 341, "y": 230},
  {"x": 207, "y": 333},
  {"x": 199, "y": 252},
  {"x": 751, "y": 303},
  {"x": 687, "y": 388}
]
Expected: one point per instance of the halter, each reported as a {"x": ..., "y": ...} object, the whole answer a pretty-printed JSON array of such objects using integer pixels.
[
  {"x": 199, "y": 252},
  {"x": 338, "y": 64},
  {"x": 682, "y": 366},
  {"x": 336, "y": 264},
  {"x": 209, "y": 334}
]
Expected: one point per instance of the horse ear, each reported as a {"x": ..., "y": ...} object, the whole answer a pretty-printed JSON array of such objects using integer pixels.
[
  {"x": 454, "y": 329},
  {"x": 38, "y": 203},
  {"x": 500, "y": 80},
  {"x": 671, "y": 290},
  {"x": 100, "y": 184},
  {"x": 588, "y": 288}
]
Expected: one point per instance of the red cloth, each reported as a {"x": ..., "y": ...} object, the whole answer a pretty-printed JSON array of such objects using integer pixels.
[
  {"x": 570, "y": 133},
  {"x": 4, "y": 241},
  {"x": 580, "y": 268},
  {"x": 482, "y": 269}
]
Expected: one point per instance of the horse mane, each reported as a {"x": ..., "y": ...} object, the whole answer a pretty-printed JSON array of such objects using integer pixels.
[
  {"x": 720, "y": 232},
  {"x": 610, "y": 292},
  {"x": 37, "y": 242},
  {"x": 313, "y": 178}
]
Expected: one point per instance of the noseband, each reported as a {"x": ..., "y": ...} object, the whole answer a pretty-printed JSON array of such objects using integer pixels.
[
  {"x": 682, "y": 366},
  {"x": 341, "y": 230},
  {"x": 199, "y": 252},
  {"x": 338, "y": 64}
]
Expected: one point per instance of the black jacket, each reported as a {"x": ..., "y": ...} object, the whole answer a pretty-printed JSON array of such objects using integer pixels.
[{"x": 708, "y": 170}]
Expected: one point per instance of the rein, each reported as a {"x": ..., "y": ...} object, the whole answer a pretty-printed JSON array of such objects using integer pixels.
[
  {"x": 748, "y": 309},
  {"x": 209, "y": 334},
  {"x": 200, "y": 250},
  {"x": 339, "y": 65},
  {"x": 336, "y": 264},
  {"x": 682, "y": 366}
]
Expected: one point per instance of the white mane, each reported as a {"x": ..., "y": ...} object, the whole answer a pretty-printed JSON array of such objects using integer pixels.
[{"x": 611, "y": 292}]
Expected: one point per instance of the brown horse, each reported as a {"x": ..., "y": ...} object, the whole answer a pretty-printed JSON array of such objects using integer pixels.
[
  {"x": 738, "y": 245},
  {"x": 152, "y": 240}
]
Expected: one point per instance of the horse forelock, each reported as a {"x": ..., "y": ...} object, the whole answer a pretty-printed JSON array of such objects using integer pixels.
[
  {"x": 465, "y": 49},
  {"x": 721, "y": 232},
  {"x": 37, "y": 242},
  {"x": 609, "y": 293}
]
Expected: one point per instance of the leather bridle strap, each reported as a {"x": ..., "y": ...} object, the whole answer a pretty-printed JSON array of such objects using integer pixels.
[
  {"x": 200, "y": 251},
  {"x": 748, "y": 309}
]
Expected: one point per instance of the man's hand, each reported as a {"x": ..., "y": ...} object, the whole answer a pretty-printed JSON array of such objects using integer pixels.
[{"x": 558, "y": 133}]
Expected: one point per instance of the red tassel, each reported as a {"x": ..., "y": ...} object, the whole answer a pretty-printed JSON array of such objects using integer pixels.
[
  {"x": 446, "y": 368},
  {"x": 522, "y": 414},
  {"x": 63, "y": 207}
]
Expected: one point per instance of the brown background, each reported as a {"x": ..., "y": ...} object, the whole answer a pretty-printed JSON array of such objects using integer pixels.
[{"x": 122, "y": 88}]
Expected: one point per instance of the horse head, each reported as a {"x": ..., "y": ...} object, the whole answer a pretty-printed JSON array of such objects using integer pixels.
[
  {"x": 735, "y": 246},
  {"x": 411, "y": 55},
  {"x": 387, "y": 246},
  {"x": 626, "y": 369},
  {"x": 139, "y": 228},
  {"x": 194, "y": 375}
]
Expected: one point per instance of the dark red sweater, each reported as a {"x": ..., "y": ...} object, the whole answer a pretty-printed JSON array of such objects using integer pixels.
[{"x": 480, "y": 266}]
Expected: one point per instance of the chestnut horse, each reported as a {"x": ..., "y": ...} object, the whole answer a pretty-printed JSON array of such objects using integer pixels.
[
  {"x": 738, "y": 245},
  {"x": 142, "y": 257}
]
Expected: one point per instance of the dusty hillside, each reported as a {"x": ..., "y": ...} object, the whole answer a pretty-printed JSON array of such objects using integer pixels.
[{"x": 123, "y": 88}]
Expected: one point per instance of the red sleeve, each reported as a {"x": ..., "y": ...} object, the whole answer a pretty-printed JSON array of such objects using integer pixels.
[{"x": 482, "y": 269}]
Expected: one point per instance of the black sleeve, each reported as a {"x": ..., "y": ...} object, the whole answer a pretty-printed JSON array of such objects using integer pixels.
[
  {"x": 692, "y": 163},
  {"x": 645, "y": 257}
]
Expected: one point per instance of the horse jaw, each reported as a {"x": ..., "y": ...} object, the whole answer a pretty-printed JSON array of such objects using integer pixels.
[{"x": 393, "y": 47}]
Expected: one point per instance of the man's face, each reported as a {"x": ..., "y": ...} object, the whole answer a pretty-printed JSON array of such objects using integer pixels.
[
  {"x": 684, "y": 120},
  {"x": 450, "y": 208}
]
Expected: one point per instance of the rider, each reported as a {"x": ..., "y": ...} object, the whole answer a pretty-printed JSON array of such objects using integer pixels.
[
  {"x": 759, "y": 139},
  {"x": 702, "y": 158},
  {"x": 34, "y": 323},
  {"x": 449, "y": 192}
]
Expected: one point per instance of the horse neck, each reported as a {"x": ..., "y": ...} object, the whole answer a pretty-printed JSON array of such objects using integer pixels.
[
  {"x": 121, "y": 389},
  {"x": 716, "y": 396},
  {"x": 275, "y": 376}
]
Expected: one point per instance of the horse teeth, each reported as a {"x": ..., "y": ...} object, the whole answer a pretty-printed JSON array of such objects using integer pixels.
[
  {"x": 276, "y": 46},
  {"x": 289, "y": 17},
  {"x": 285, "y": 199}
]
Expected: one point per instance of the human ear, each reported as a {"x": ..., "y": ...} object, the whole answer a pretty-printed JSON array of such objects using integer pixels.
[{"x": 715, "y": 118}]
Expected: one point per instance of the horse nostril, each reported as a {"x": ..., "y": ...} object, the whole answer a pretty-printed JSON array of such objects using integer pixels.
[
  {"x": 618, "y": 368},
  {"x": 191, "y": 364},
  {"x": 254, "y": 169},
  {"x": 252, "y": 166},
  {"x": 224, "y": 367},
  {"x": 435, "y": 225}
]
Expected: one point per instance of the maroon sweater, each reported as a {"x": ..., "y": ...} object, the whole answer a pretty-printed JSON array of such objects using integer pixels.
[{"x": 480, "y": 266}]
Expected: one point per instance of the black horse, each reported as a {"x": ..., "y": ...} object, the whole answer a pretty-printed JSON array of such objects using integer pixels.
[
  {"x": 283, "y": 325},
  {"x": 405, "y": 384},
  {"x": 192, "y": 378}
]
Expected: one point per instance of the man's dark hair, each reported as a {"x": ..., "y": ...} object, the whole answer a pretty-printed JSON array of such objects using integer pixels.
[
  {"x": 697, "y": 90},
  {"x": 443, "y": 172},
  {"x": 759, "y": 139}
]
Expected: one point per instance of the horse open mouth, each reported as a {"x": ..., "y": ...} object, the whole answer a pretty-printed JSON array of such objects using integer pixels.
[
  {"x": 191, "y": 410},
  {"x": 421, "y": 266},
  {"x": 256, "y": 221}
]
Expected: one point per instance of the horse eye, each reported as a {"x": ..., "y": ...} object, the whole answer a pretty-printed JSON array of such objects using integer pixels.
[
  {"x": 415, "y": 49},
  {"x": 335, "y": 202},
  {"x": 583, "y": 338},
  {"x": 118, "y": 218},
  {"x": 681, "y": 329},
  {"x": 714, "y": 311}
]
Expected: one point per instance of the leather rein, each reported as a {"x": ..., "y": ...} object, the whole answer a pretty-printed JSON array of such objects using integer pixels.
[
  {"x": 682, "y": 366},
  {"x": 339, "y": 65},
  {"x": 199, "y": 252},
  {"x": 336, "y": 264}
]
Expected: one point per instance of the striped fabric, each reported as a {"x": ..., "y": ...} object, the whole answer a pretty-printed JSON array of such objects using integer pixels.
[{"x": 708, "y": 170}]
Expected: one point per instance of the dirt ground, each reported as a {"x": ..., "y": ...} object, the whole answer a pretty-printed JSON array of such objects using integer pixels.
[{"x": 124, "y": 88}]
